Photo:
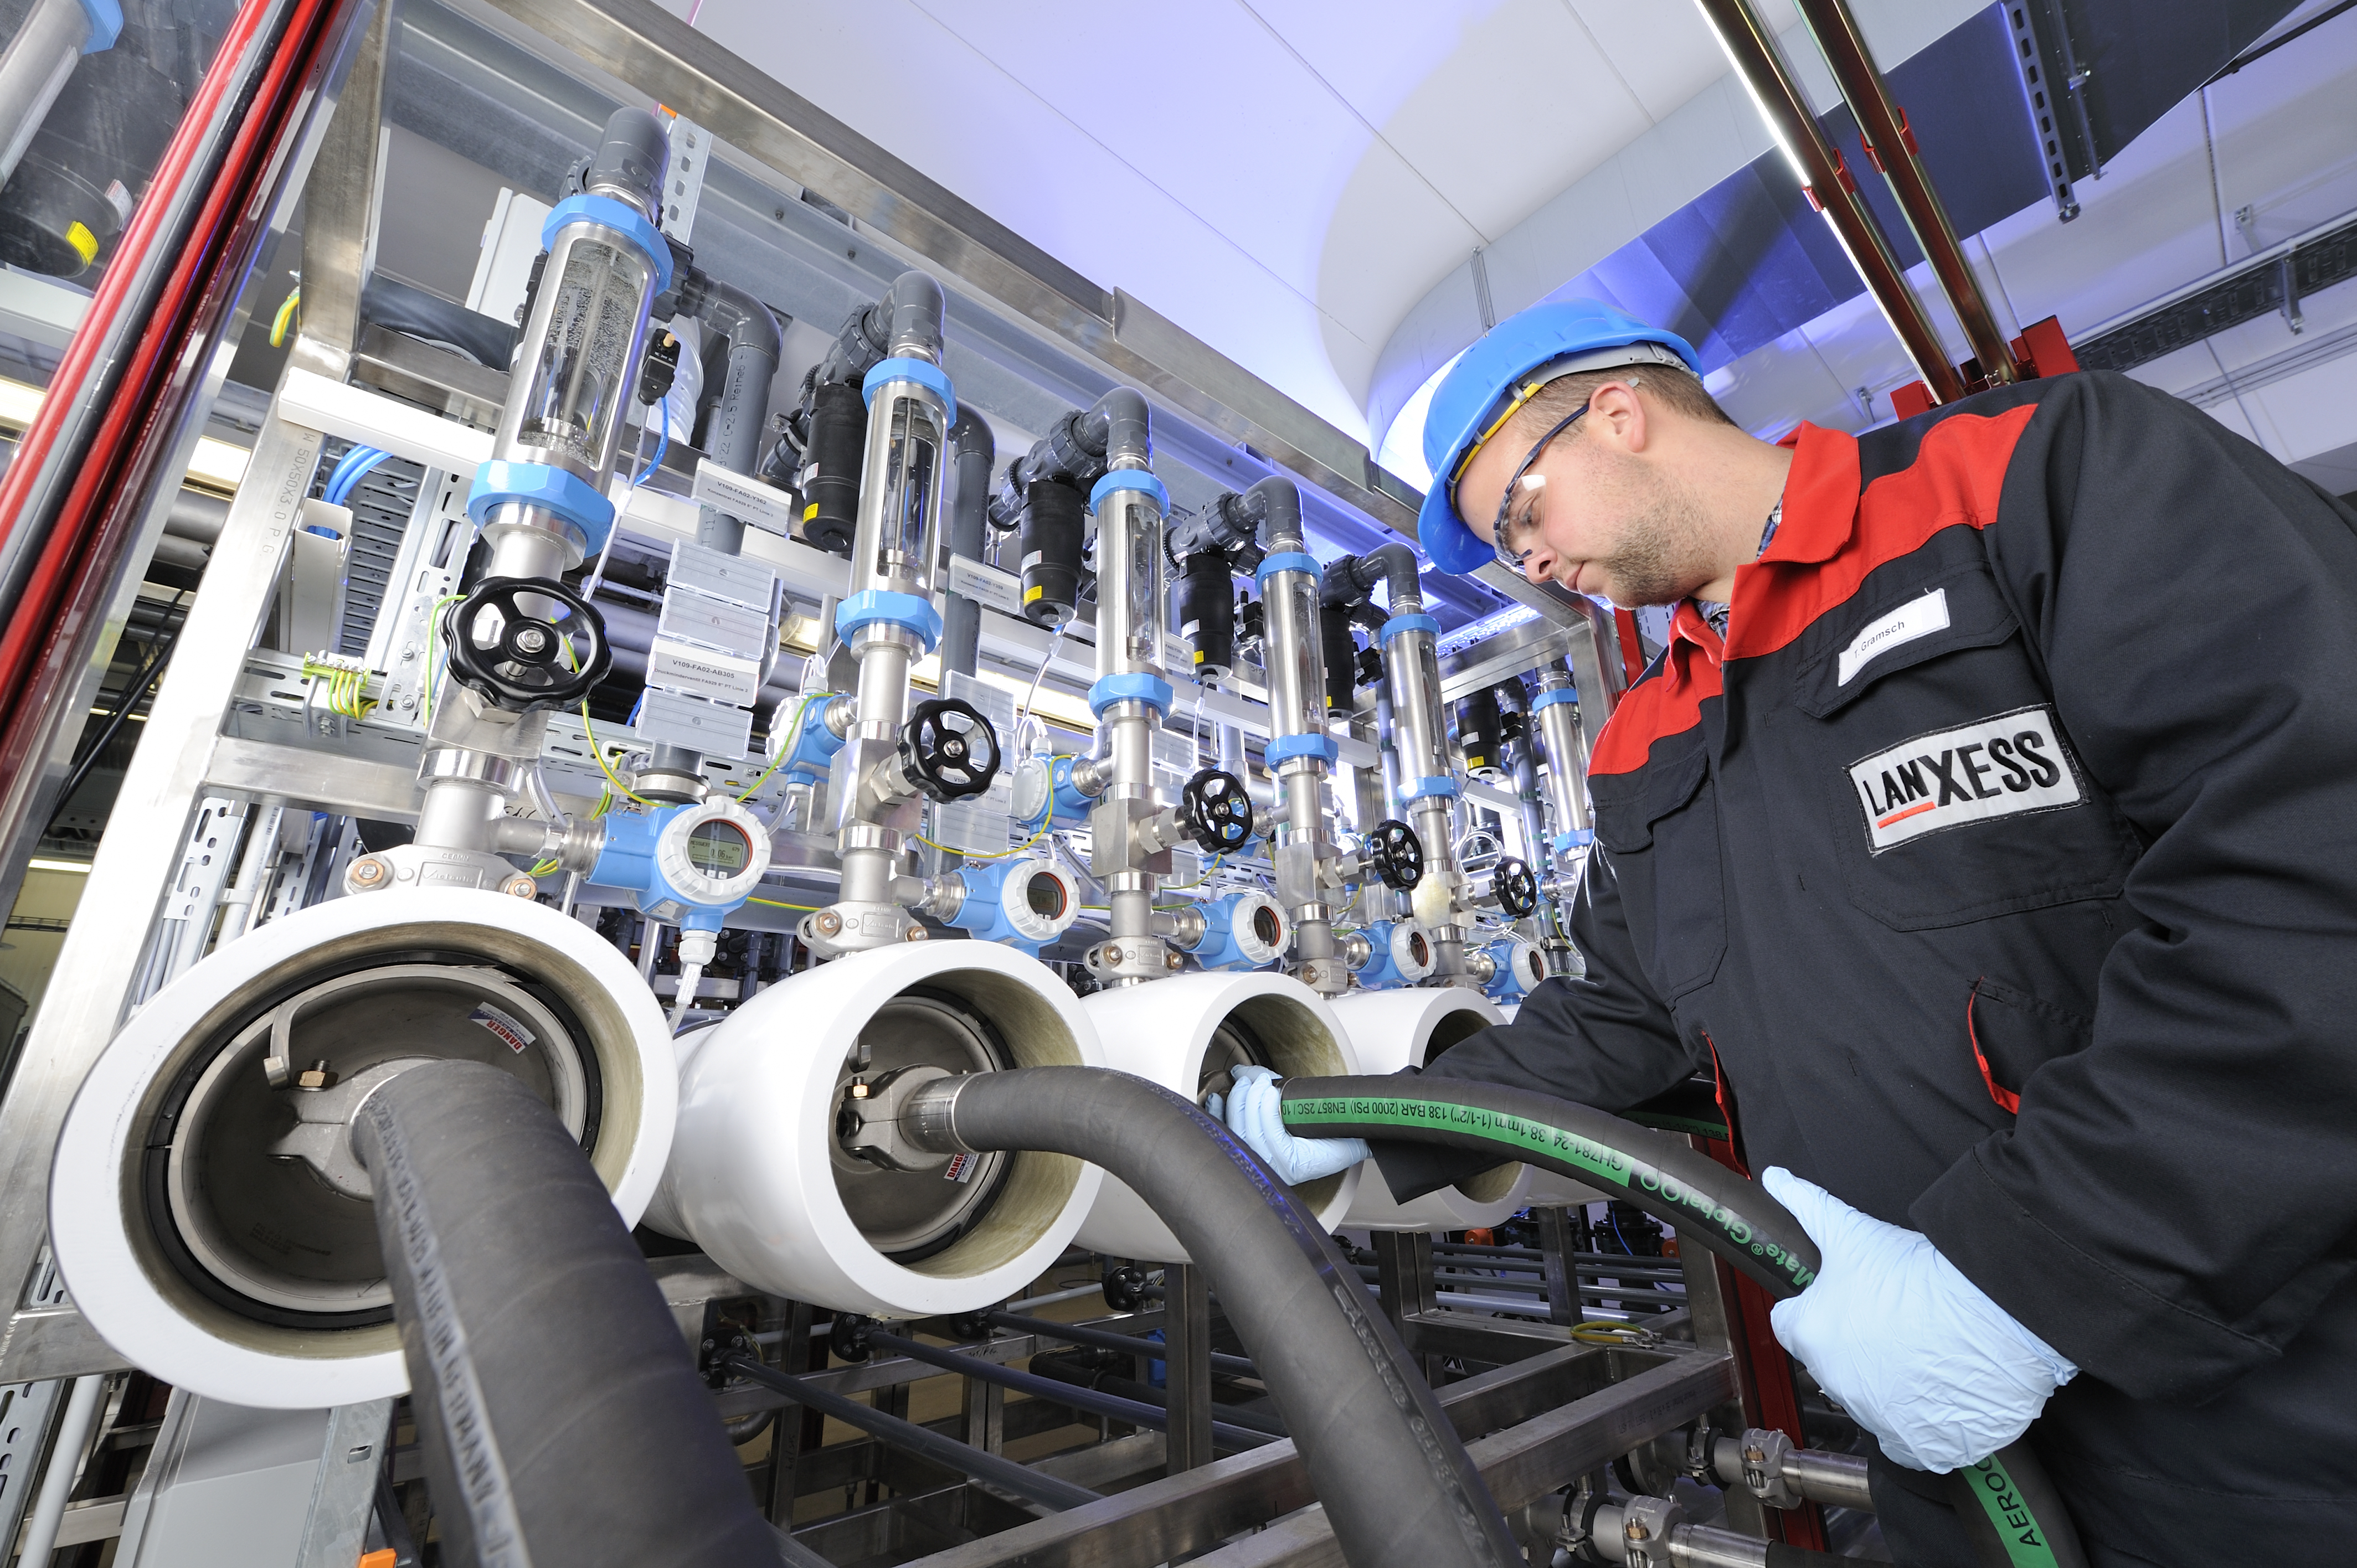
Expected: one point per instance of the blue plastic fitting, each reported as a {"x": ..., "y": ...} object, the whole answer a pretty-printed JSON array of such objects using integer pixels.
[
  {"x": 1137, "y": 686},
  {"x": 1416, "y": 790},
  {"x": 105, "y": 25},
  {"x": 984, "y": 912},
  {"x": 1066, "y": 805},
  {"x": 1286, "y": 747},
  {"x": 619, "y": 216},
  {"x": 1219, "y": 948},
  {"x": 1545, "y": 700},
  {"x": 501, "y": 480},
  {"x": 1506, "y": 979},
  {"x": 813, "y": 746},
  {"x": 1577, "y": 838},
  {"x": 1381, "y": 971},
  {"x": 629, "y": 861},
  {"x": 1287, "y": 561},
  {"x": 924, "y": 373},
  {"x": 1400, "y": 626},
  {"x": 907, "y": 611},
  {"x": 1130, "y": 479}
]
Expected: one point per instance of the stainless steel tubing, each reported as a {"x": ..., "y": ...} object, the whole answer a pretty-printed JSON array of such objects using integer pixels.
[
  {"x": 907, "y": 1436},
  {"x": 1136, "y": 1411}
]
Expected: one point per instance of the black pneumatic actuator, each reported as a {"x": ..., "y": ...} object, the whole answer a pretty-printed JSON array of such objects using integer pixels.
[
  {"x": 830, "y": 477},
  {"x": 1207, "y": 613}
]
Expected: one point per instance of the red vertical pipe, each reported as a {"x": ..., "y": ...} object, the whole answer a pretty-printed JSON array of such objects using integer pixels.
[{"x": 70, "y": 546}]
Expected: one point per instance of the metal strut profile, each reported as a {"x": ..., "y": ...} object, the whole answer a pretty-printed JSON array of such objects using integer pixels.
[
  {"x": 1830, "y": 186},
  {"x": 1890, "y": 145}
]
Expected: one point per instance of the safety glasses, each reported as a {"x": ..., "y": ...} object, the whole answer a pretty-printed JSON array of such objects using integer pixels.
[{"x": 1514, "y": 538}]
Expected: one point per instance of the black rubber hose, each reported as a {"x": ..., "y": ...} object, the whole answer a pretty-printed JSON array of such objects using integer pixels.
[
  {"x": 558, "y": 1410},
  {"x": 2009, "y": 1492},
  {"x": 1381, "y": 1456},
  {"x": 908, "y": 1436}
]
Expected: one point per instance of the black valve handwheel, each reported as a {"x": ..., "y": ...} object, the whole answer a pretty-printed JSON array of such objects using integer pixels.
[
  {"x": 1216, "y": 811},
  {"x": 520, "y": 660},
  {"x": 1515, "y": 885},
  {"x": 948, "y": 750},
  {"x": 1395, "y": 853}
]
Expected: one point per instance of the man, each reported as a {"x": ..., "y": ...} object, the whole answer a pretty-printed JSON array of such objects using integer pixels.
[{"x": 1988, "y": 828}]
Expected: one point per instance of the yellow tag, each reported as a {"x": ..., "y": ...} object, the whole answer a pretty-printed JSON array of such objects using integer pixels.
[
  {"x": 84, "y": 242},
  {"x": 1036, "y": 591},
  {"x": 810, "y": 512}
]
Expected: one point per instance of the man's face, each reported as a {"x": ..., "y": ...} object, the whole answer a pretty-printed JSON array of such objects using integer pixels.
[{"x": 1598, "y": 510}]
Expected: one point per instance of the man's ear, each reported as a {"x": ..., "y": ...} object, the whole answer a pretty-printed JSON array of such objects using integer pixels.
[{"x": 1618, "y": 417}]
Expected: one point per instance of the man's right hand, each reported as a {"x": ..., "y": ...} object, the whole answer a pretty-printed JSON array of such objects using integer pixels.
[{"x": 1252, "y": 1115}]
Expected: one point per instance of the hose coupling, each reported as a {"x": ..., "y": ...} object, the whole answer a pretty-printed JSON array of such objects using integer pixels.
[{"x": 900, "y": 1122}]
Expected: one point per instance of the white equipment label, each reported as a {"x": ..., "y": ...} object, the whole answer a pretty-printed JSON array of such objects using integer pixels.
[
  {"x": 699, "y": 618},
  {"x": 986, "y": 584},
  {"x": 749, "y": 500},
  {"x": 701, "y": 672}
]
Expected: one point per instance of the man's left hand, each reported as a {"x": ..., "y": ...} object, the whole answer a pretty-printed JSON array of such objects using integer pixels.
[{"x": 1915, "y": 1351}]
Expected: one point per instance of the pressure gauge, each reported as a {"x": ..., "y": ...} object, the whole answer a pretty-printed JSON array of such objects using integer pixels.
[{"x": 713, "y": 854}]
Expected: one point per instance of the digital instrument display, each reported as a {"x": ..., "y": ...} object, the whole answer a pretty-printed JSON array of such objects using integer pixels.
[{"x": 718, "y": 847}]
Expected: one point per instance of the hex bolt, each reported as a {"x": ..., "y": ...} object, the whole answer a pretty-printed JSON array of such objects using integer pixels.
[
  {"x": 366, "y": 871},
  {"x": 826, "y": 923}
]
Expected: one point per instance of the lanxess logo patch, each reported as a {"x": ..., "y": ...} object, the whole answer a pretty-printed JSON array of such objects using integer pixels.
[{"x": 2000, "y": 766}]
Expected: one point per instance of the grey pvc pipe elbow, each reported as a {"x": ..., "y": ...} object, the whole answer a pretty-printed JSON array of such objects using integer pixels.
[
  {"x": 631, "y": 159},
  {"x": 918, "y": 308},
  {"x": 744, "y": 321},
  {"x": 1276, "y": 501},
  {"x": 1129, "y": 442},
  {"x": 1398, "y": 563}
]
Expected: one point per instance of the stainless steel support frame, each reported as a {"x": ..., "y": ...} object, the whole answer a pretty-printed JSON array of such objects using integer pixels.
[{"x": 97, "y": 971}]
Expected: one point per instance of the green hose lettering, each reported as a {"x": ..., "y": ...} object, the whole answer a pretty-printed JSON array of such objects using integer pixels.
[
  {"x": 1610, "y": 1167},
  {"x": 2016, "y": 1525}
]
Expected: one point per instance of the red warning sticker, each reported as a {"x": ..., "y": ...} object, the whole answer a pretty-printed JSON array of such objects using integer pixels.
[{"x": 506, "y": 1026}]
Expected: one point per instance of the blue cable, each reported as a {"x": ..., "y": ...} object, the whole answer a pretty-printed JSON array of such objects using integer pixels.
[
  {"x": 354, "y": 468},
  {"x": 662, "y": 444}
]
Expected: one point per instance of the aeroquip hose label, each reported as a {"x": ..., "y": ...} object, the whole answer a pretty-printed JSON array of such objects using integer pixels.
[{"x": 1608, "y": 1166}]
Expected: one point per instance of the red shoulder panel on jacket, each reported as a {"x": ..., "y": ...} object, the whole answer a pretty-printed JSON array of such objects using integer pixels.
[
  {"x": 1957, "y": 475},
  {"x": 1667, "y": 702}
]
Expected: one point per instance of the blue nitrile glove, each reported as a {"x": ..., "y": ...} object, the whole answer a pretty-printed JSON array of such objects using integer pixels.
[
  {"x": 1916, "y": 1352},
  {"x": 1251, "y": 1113}
]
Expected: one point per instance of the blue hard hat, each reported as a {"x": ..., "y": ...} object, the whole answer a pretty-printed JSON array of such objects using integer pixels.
[{"x": 1557, "y": 338}]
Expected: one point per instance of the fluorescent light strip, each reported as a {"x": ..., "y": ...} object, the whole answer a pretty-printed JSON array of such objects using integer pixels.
[{"x": 217, "y": 465}]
